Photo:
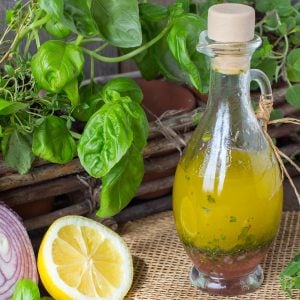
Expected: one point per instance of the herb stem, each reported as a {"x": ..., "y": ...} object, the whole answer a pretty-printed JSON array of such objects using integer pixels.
[
  {"x": 130, "y": 54},
  {"x": 78, "y": 40},
  {"x": 92, "y": 75},
  {"x": 23, "y": 33},
  {"x": 91, "y": 40}
]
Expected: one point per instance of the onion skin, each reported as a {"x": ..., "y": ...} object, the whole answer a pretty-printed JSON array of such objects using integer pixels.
[{"x": 17, "y": 259}]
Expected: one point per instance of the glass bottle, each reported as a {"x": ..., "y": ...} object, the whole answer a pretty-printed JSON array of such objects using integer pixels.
[{"x": 227, "y": 194}]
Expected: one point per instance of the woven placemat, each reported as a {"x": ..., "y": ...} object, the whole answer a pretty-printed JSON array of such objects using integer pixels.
[{"x": 162, "y": 267}]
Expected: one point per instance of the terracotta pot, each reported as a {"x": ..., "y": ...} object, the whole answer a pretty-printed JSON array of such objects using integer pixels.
[{"x": 161, "y": 96}]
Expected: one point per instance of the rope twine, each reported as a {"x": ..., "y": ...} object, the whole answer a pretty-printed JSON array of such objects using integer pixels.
[{"x": 263, "y": 113}]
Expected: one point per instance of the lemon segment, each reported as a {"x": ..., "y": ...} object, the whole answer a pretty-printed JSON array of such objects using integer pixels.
[{"x": 82, "y": 259}]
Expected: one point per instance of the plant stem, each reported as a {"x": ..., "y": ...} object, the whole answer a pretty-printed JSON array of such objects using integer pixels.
[
  {"x": 91, "y": 40},
  {"x": 23, "y": 33},
  {"x": 92, "y": 68},
  {"x": 100, "y": 48},
  {"x": 78, "y": 40},
  {"x": 130, "y": 54}
]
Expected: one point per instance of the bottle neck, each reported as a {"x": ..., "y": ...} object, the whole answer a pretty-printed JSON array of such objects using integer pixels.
[
  {"x": 230, "y": 89},
  {"x": 231, "y": 64}
]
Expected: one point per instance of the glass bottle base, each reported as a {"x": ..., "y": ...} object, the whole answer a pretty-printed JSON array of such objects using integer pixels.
[{"x": 230, "y": 286}]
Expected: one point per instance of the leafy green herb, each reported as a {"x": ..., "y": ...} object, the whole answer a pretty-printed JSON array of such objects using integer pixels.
[
  {"x": 290, "y": 276},
  {"x": 206, "y": 209},
  {"x": 292, "y": 95},
  {"x": 16, "y": 149},
  {"x": 125, "y": 87},
  {"x": 118, "y": 21},
  {"x": 90, "y": 101},
  {"x": 52, "y": 141},
  {"x": 244, "y": 232},
  {"x": 120, "y": 183},
  {"x": 232, "y": 219},
  {"x": 106, "y": 139},
  {"x": 211, "y": 199},
  {"x": 60, "y": 71},
  {"x": 26, "y": 289}
]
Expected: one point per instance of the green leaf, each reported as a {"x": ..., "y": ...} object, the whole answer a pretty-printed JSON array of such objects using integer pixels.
[
  {"x": 57, "y": 29},
  {"x": 140, "y": 126},
  {"x": 54, "y": 8},
  {"x": 90, "y": 101},
  {"x": 105, "y": 139},
  {"x": 53, "y": 141},
  {"x": 120, "y": 184},
  {"x": 276, "y": 114},
  {"x": 77, "y": 17},
  {"x": 118, "y": 22},
  {"x": 268, "y": 5},
  {"x": 262, "y": 53},
  {"x": 54, "y": 72},
  {"x": 182, "y": 40},
  {"x": 146, "y": 60},
  {"x": 268, "y": 66},
  {"x": 125, "y": 87},
  {"x": 9, "y": 16},
  {"x": 293, "y": 65},
  {"x": 71, "y": 89},
  {"x": 152, "y": 12},
  {"x": 16, "y": 149},
  {"x": 26, "y": 289},
  {"x": 185, "y": 4},
  {"x": 10, "y": 70},
  {"x": 10, "y": 107},
  {"x": 293, "y": 95}
]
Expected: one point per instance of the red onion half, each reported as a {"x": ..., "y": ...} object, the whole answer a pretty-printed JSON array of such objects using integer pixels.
[{"x": 17, "y": 260}]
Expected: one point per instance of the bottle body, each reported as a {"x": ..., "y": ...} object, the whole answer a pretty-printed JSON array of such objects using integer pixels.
[
  {"x": 227, "y": 234},
  {"x": 227, "y": 194}
]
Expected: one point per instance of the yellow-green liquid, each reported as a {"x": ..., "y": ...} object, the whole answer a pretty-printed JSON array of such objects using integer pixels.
[{"x": 244, "y": 215}]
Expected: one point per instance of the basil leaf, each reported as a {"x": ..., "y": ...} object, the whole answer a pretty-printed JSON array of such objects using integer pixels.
[
  {"x": 146, "y": 60},
  {"x": 54, "y": 8},
  {"x": 53, "y": 142},
  {"x": 57, "y": 29},
  {"x": 77, "y": 17},
  {"x": 71, "y": 89},
  {"x": 106, "y": 138},
  {"x": 125, "y": 87},
  {"x": 268, "y": 5},
  {"x": 153, "y": 12},
  {"x": 26, "y": 289},
  {"x": 90, "y": 101},
  {"x": 16, "y": 149},
  {"x": 293, "y": 65},
  {"x": 120, "y": 184},
  {"x": 10, "y": 107},
  {"x": 54, "y": 72},
  {"x": 276, "y": 113},
  {"x": 118, "y": 21},
  {"x": 292, "y": 95},
  {"x": 140, "y": 126},
  {"x": 185, "y": 4},
  {"x": 182, "y": 40}
]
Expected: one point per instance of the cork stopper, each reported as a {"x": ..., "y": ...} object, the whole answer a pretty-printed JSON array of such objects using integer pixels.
[{"x": 229, "y": 23}]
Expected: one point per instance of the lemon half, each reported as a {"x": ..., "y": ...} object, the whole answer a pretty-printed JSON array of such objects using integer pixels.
[{"x": 80, "y": 258}]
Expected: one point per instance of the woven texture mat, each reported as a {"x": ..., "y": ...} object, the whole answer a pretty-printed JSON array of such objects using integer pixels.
[{"x": 162, "y": 267}]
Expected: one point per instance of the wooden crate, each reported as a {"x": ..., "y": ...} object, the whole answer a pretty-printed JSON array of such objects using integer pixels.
[{"x": 74, "y": 192}]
